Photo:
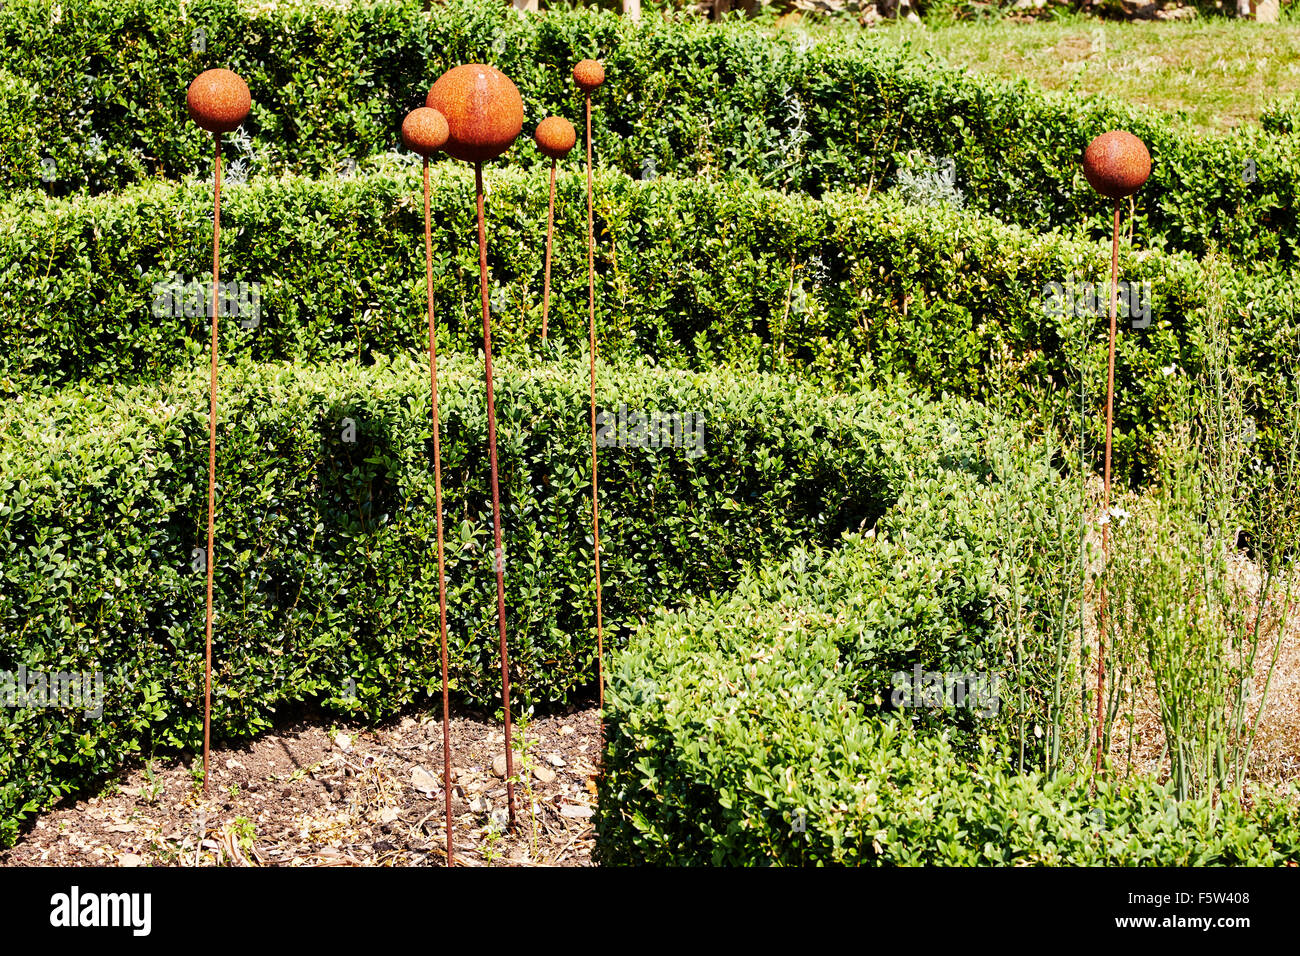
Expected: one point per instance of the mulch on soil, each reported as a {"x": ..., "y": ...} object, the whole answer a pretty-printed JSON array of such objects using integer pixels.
[{"x": 342, "y": 796}]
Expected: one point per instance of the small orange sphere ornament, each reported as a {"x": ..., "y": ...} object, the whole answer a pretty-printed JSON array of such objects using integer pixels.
[
  {"x": 1116, "y": 164},
  {"x": 588, "y": 74},
  {"x": 483, "y": 109},
  {"x": 218, "y": 100},
  {"x": 555, "y": 136},
  {"x": 424, "y": 131}
]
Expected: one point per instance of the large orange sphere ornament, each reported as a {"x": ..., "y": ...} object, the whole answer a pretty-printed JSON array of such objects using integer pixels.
[
  {"x": 1116, "y": 164},
  {"x": 483, "y": 109},
  {"x": 424, "y": 131},
  {"x": 555, "y": 136},
  {"x": 484, "y": 115},
  {"x": 218, "y": 100}
]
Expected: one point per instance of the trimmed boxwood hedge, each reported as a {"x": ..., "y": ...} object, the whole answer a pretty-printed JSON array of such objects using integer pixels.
[
  {"x": 331, "y": 84},
  {"x": 325, "y": 548},
  {"x": 689, "y": 273},
  {"x": 20, "y": 155},
  {"x": 756, "y": 728},
  {"x": 814, "y": 783}
]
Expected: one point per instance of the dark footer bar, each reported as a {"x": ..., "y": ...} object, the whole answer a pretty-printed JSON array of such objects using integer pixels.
[{"x": 342, "y": 906}]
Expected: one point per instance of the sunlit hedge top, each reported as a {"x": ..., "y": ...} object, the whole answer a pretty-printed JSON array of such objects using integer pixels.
[{"x": 331, "y": 83}]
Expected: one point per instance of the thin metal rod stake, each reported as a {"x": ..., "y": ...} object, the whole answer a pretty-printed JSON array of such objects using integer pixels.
[
  {"x": 595, "y": 486},
  {"x": 212, "y": 457},
  {"x": 550, "y": 229},
  {"x": 1105, "y": 525},
  {"x": 498, "y": 555},
  {"x": 437, "y": 493}
]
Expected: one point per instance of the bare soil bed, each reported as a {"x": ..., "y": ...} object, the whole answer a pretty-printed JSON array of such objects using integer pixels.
[{"x": 314, "y": 795}]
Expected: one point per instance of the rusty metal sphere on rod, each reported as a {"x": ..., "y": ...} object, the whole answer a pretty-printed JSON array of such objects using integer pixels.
[
  {"x": 589, "y": 75},
  {"x": 484, "y": 111},
  {"x": 218, "y": 101},
  {"x": 424, "y": 131},
  {"x": 1116, "y": 164},
  {"x": 554, "y": 136},
  {"x": 485, "y": 115}
]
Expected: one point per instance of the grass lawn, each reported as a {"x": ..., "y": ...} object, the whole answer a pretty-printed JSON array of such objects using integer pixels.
[{"x": 1218, "y": 73}]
